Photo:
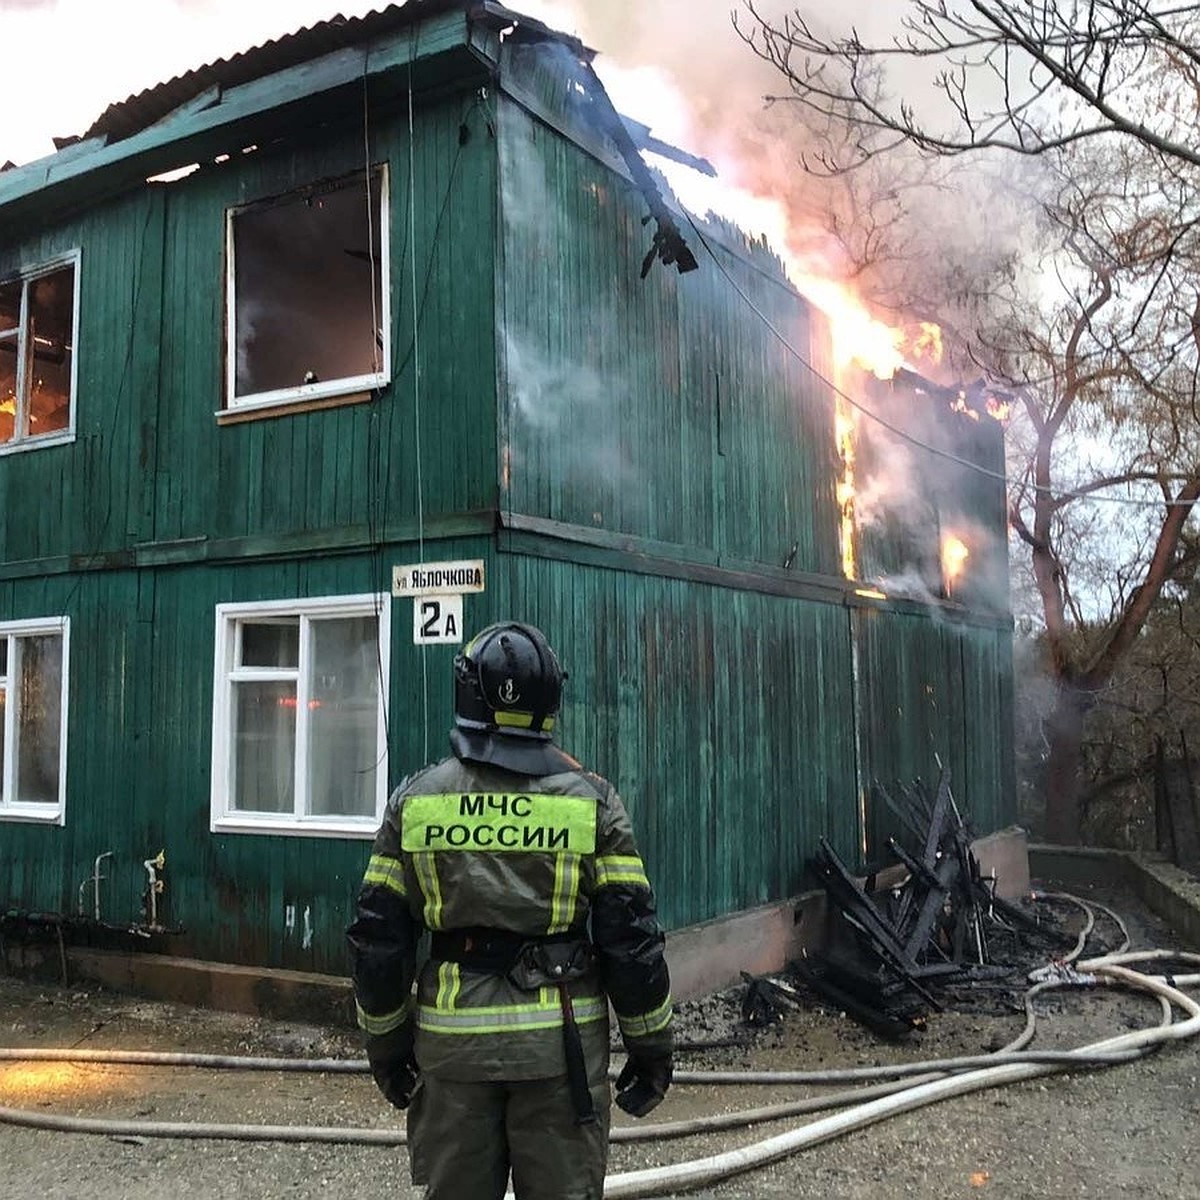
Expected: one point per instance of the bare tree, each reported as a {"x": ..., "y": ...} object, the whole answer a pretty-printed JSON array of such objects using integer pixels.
[
  {"x": 1146, "y": 728},
  {"x": 1020, "y": 75},
  {"x": 1102, "y": 350},
  {"x": 1099, "y": 336}
]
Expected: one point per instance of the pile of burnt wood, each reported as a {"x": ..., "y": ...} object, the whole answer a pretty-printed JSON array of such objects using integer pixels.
[{"x": 894, "y": 947}]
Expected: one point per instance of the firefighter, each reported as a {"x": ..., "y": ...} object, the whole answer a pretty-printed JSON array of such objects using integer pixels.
[{"x": 523, "y": 868}]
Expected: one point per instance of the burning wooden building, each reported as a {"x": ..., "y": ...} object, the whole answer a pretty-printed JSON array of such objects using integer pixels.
[{"x": 399, "y": 290}]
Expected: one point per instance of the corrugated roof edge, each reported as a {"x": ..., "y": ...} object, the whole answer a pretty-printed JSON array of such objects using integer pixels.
[{"x": 138, "y": 112}]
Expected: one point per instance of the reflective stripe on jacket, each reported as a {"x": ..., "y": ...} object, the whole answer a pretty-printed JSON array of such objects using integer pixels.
[{"x": 463, "y": 846}]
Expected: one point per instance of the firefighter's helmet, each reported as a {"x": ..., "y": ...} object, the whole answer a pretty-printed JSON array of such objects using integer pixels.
[{"x": 507, "y": 690}]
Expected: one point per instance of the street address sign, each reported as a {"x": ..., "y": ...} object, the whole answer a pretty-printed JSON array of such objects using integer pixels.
[
  {"x": 437, "y": 619},
  {"x": 438, "y": 578}
]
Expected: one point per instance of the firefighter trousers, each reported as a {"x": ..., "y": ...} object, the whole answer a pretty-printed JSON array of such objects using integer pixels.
[{"x": 465, "y": 1138}]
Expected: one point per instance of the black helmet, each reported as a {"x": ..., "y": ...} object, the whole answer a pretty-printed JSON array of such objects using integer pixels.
[
  {"x": 507, "y": 679},
  {"x": 507, "y": 689}
]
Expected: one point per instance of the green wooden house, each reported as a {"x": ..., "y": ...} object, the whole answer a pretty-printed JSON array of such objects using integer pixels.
[{"x": 384, "y": 293}]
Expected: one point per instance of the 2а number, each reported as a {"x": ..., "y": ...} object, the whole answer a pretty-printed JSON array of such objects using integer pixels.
[
  {"x": 434, "y": 624},
  {"x": 434, "y": 609}
]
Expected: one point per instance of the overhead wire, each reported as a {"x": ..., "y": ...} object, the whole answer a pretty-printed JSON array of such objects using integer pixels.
[
  {"x": 891, "y": 427},
  {"x": 375, "y": 442},
  {"x": 379, "y": 520},
  {"x": 416, "y": 360}
]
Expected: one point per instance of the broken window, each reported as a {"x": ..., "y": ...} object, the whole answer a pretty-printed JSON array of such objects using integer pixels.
[
  {"x": 299, "y": 736},
  {"x": 308, "y": 298},
  {"x": 33, "y": 706},
  {"x": 37, "y": 353}
]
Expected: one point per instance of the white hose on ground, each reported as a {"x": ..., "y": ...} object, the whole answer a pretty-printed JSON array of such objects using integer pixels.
[
  {"x": 922, "y": 1071},
  {"x": 200, "y": 1130},
  {"x": 1089, "y": 922},
  {"x": 664, "y": 1181},
  {"x": 1089, "y": 907},
  {"x": 167, "y": 1058},
  {"x": 871, "y": 1104}
]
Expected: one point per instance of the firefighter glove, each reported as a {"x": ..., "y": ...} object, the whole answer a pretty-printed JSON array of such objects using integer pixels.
[
  {"x": 643, "y": 1082},
  {"x": 393, "y": 1065}
]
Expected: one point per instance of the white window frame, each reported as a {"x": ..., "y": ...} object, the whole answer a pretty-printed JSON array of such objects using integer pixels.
[
  {"x": 15, "y": 809},
  {"x": 226, "y": 819},
  {"x": 37, "y": 441},
  {"x": 303, "y": 393}
]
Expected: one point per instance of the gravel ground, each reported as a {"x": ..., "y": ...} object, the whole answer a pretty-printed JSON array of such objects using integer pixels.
[{"x": 1128, "y": 1131}]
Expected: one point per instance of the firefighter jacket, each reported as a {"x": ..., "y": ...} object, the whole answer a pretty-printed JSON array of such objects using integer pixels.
[{"x": 465, "y": 846}]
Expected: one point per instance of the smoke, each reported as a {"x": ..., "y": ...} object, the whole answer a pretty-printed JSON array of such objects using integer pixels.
[
  {"x": 912, "y": 238},
  {"x": 892, "y": 489},
  {"x": 911, "y": 585},
  {"x": 557, "y": 397},
  {"x": 568, "y": 405}
]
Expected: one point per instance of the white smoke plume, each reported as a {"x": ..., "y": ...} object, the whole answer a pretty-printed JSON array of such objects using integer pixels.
[{"x": 907, "y": 236}]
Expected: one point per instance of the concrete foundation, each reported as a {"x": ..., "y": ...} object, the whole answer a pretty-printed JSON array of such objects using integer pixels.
[
  {"x": 703, "y": 958},
  {"x": 288, "y": 995}
]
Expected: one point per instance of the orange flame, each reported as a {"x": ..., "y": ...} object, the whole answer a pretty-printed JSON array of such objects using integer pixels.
[
  {"x": 845, "y": 490},
  {"x": 928, "y": 344},
  {"x": 999, "y": 410},
  {"x": 858, "y": 336},
  {"x": 961, "y": 406},
  {"x": 954, "y": 559}
]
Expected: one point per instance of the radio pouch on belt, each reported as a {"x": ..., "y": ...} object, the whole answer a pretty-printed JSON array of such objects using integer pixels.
[
  {"x": 555, "y": 964},
  {"x": 544, "y": 963}
]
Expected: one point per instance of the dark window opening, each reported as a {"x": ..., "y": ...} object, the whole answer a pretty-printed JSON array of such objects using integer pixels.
[{"x": 309, "y": 274}]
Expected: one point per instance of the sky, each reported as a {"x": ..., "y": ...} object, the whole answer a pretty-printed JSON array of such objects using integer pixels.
[{"x": 65, "y": 61}]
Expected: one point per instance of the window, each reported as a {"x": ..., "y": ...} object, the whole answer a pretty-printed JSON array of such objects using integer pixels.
[
  {"x": 299, "y": 736},
  {"x": 308, "y": 294},
  {"x": 37, "y": 354},
  {"x": 33, "y": 704}
]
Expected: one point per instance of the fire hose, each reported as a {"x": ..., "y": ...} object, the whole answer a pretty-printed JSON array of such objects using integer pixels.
[{"x": 909, "y": 1086}]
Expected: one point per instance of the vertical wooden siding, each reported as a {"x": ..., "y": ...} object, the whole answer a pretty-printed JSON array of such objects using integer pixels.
[
  {"x": 675, "y": 408},
  {"x": 723, "y": 717},
  {"x": 666, "y": 408},
  {"x": 342, "y": 466},
  {"x": 150, "y": 464},
  {"x": 930, "y": 691},
  {"x": 87, "y": 497},
  {"x": 139, "y": 749}
]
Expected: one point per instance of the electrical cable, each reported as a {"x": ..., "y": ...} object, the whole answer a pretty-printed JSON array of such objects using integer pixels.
[
  {"x": 374, "y": 524},
  {"x": 904, "y": 435},
  {"x": 416, "y": 359}
]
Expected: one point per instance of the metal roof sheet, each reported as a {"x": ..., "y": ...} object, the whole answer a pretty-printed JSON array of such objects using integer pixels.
[{"x": 127, "y": 117}]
